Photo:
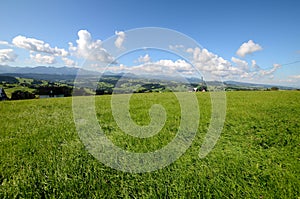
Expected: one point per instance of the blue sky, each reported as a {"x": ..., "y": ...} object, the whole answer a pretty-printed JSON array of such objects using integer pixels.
[{"x": 268, "y": 31}]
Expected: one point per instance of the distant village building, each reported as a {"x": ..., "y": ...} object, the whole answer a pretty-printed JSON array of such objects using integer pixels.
[{"x": 3, "y": 95}]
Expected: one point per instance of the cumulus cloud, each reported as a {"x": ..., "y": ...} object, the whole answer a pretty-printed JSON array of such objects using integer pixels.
[
  {"x": 201, "y": 60},
  {"x": 209, "y": 62},
  {"x": 174, "y": 66},
  {"x": 43, "y": 59},
  {"x": 37, "y": 46},
  {"x": 240, "y": 63},
  {"x": 68, "y": 62},
  {"x": 144, "y": 59},
  {"x": 164, "y": 66},
  {"x": 7, "y": 55},
  {"x": 248, "y": 48},
  {"x": 88, "y": 49},
  {"x": 120, "y": 39},
  {"x": 217, "y": 66}
]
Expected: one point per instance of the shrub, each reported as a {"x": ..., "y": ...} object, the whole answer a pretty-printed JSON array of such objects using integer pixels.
[
  {"x": 274, "y": 88},
  {"x": 19, "y": 95}
]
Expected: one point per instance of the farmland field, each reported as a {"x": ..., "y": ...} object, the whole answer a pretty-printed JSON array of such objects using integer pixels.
[{"x": 257, "y": 155}]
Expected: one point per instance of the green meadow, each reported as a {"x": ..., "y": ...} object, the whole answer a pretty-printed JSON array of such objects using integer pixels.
[{"x": 256, "y": 156}]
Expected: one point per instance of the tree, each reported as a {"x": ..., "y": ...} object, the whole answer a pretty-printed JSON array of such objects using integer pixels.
[
  {"x": 19, "y": 95},
  {"x": 274, "y": 88}
]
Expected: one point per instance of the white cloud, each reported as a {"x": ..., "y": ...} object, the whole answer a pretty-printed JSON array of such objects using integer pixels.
[
  {"x": 248, "y": 48},
  {"x": 37, "y": 46},
  {"x": 211, "y": 63},
  {"x": 120, "y": 39},
  {"x": 4, "y": 43},
  {"x": 179, "y": 65},
  {"x": 240, "y": 63},
  {"x": 270, "y": 71},
  {"x": 204, "y": 61},
  {"x": 68, "y": 62},
  {"x": 88, "y": 49},
  {"x": 144, "y": 59},
  {"x": 165, "y": 66},
  {"x": 43, "y": 59},
  {"x": 7, "y": 55},
  {"x": 254, "y": 65},
  {"x": 176, "y": 47},
  {"x": 295, "y": 76}
]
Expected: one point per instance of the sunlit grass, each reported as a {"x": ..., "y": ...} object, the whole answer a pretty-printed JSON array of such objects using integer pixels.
[{"x": 257, "y": 155}]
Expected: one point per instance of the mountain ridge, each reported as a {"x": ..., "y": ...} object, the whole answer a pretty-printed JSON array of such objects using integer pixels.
[{"x": 51, "y": 70}]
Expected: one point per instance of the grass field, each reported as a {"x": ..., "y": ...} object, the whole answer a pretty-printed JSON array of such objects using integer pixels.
[{"x": 257, "y": 155}]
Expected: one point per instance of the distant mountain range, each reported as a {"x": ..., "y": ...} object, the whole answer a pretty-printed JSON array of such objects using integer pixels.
[
  {"x": 254, "y": 86},
  {"x": 69, "y": 73},
  {"x": 50, "y": 70}
]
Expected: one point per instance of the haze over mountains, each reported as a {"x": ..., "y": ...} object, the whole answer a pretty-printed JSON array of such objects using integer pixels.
[{"x": 4, "y": 69}]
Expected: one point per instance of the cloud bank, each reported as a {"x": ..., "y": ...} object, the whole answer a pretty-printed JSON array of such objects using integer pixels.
[{"x": 201, "y": 60}]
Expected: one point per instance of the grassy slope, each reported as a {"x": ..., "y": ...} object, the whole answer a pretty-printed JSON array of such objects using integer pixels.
[
  {"x": 257, "y": 155},
  {"x": 9, "y": 91}
]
